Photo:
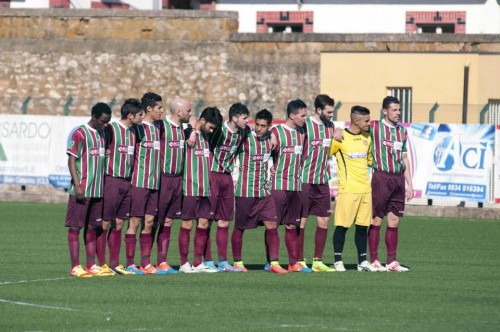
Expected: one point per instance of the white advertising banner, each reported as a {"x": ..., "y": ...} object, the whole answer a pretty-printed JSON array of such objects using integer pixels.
[
  {"x": 496, "y": 182},
  {"x": 33, "y": 149},
  {"x": 451, "y": 161}
]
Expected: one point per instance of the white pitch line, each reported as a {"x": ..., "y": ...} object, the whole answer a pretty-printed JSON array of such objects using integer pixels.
[
  {"x": 26, "y": 281},
  {"x": 37, "y": 305}
]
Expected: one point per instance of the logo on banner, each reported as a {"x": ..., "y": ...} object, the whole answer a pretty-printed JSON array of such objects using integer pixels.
[{"x": 451, "y": 153}]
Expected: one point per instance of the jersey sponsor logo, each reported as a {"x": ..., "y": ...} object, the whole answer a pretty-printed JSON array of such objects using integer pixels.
[
  {"x": 327, "y": 141},
  {"x": 202, "y": 153},
  {"x": 356, "y": 155},
  {"x": 71, "y": 144},
  {"x": 97, "y": 152},
  {"x": 260, "y": 157},
  {"x": 176, "y": 144},
  {"x": 392, "y": 144},
  {"x": 151, "y": 145},
  {"x": 126, "y": 149},
  {"x": 292, "y": 149},
  {"x": 229, "y": 148},
  {"x": 316, "y": 142}
]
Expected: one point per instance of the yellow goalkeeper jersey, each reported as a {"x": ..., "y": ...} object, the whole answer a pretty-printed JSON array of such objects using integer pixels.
[{"x": 353, "y": 159}]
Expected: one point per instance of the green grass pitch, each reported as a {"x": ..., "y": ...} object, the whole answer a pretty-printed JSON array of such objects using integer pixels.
[{"x": 453, "y": 285}]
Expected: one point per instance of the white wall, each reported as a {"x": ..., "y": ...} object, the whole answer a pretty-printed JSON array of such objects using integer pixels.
[
  {"x": 30, "y": 4},
  {"x": 371, "y": 18}
]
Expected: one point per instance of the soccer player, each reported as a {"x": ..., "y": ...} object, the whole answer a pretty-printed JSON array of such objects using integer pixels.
[
  {"x": 226, "y": 141},
  {"x": 354, "y": 200},
  {"x": 120, "y": 146},
  {"x": 254, "y": 204},
  {"x": 196, "y": 192},
  {"x": 391, "y": 170},
  {"x": 145, "y": 184},
  {"x": 288, "y": 142},
  {"x": 86, "y": 158},
  {"x": 315, "y": 194},
  {"x": 172, "y": 144}
]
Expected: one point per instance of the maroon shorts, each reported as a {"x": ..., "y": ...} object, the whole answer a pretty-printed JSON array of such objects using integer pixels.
[
  {"x": 81, "y": 214},
  {"x": 288, "y": 206},
  {"x": 388, "y": 193},
  {"x": 144, "y": 201},
  {"x": 315, "y": 200},
  {"x": 116, "y": 198},
  {"x": 252, "y": 211},
  {"x": 170, "y": 197},
  {"x": 222, "y": 195},
  {"x": 195, "y": 207}
]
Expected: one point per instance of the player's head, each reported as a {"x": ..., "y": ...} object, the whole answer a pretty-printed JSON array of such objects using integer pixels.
[
  {"x": 101, "y": 115},
  {"x": 360, "y": 117},
  {"x": 323, "y": 106},
  {"x": 296, "y": 112},
  {"x": 132, "y": 111},
  {"x": 153, "y": 107},
  {"x": 263, "y": 121},
  {"x": 392, "y": 109},
  {"x": 210, "y": 120},
  {"x": 181, "y": 109},
  {"x": 238, "y": 115}
]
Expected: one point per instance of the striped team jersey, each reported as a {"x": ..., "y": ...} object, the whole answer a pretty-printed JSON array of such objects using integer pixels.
[
  {"x": 389, "y": 144},
  {"x": 287, "y": 158},
  {"x": 319, "y": 135},
  {"x": 88, "y": 146},
  {"x": 147, "y": 156},
  {"x": 172, "y": 144},
  {"x": 253, "y": 157},
  {"x": 121, "y": 145},
  {"x": 353, "y": 158},
  {"x": 225, "y": 150},
  {"x": 195, "y": 180}
]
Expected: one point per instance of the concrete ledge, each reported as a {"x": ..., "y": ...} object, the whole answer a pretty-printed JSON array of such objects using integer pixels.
[
  {"x": 452, "y": 212},
  {"x": 110, "y": 13},
  {"x": 365, "y": 37}
]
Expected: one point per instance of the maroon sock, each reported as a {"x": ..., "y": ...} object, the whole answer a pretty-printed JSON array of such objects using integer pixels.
[
  {"x": 74, "y": 247},
  {"x": 291, "y": 245},
  {"x": 391, "y": 241},
  {"x": 200, "y": 240},
  {"x": 114, "y": 244},
  {"x": 237, "y": 243},
  {"x": 184, "y": 235},
  {"x": 221, "y": 237},
  {"x": 319, "y": 242},
  {"x": 101, "y": 246},
  {"x": 266, "y": 246},
  {"x": 162, "y": 244},
  {"x": 373, "y": 241},
  {"x": 207, "y": 251},
  {"x": 145, "y": 243},
  {"x": 273, "y": 243},
  {"x": 90, "y": 247},
  {"x": 130, "y": 243},
  {"x": 300, "y": 243}
]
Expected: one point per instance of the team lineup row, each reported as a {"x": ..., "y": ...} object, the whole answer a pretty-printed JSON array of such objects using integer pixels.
[{"x": 151, "y": 169}]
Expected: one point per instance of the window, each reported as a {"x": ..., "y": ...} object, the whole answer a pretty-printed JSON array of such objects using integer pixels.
[
  {"x": 288, "y": 22},
  {"x": 494, "y": 111},
  {"x": 405, "y": 98},
  {"x": 435, "y": 22}
]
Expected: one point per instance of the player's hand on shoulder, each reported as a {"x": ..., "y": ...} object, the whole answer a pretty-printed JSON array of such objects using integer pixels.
[
  {"x": 191, "y": 140},
  {"x": 274, "y": 141},
  {"x": 338, "y": 134}
]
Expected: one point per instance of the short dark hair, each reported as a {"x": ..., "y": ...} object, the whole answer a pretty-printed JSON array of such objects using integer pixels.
[
  {"x": 264, "y": 115},
  {"x": 238, "y": 109},
  {"x": 130, "y": 106},
  {"x": 360, "y": 110},
  {"x": 100, "y": 108},
  {"x": 389, "y": 100},
  {"x": 212, "y": 115},
  {"x": 322, "y": 101},
  {"x": 150, "y": 99},
  {"x": 294, "y": 107}
]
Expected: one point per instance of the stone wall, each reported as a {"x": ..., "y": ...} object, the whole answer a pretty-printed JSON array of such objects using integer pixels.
[{"x": 52, "y": 55}]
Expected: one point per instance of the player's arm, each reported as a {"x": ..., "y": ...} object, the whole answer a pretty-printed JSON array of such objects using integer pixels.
[
  {"x": 338, "y": 134},
  {"x": 79, "y": 192},
  {"x": 334, "y": 148},
  {"x": 369, "y": 155},
  {"x": 407, "y": 174},
  {"x": 191, "y": 136}
]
